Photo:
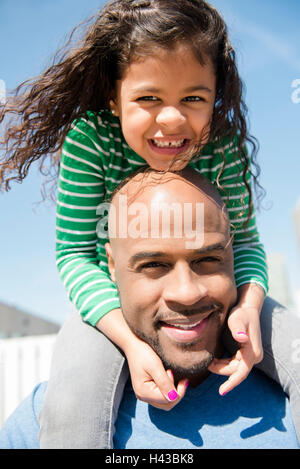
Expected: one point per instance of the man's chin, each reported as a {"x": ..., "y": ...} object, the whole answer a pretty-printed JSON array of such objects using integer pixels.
[
  {"x": 194, "y": 371},
  {"x": 186, "y": 361}
]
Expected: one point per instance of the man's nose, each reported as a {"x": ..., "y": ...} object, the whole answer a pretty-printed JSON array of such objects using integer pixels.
[
  {"x": 170, "y": 117},
  {"x": 184, "y": 287}
]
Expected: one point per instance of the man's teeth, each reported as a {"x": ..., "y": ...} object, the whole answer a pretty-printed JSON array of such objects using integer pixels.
[
  {"x": 167, "y": 144},
  {"x": 185, "y": 327}
]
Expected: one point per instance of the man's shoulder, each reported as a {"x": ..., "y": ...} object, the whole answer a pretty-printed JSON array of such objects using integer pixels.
[
  {"x": 21, "y": 429},
  {"x": 256, "y": 414}
]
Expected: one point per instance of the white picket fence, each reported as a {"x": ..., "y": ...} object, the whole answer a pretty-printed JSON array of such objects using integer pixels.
[{"x": 24, "y": 362}]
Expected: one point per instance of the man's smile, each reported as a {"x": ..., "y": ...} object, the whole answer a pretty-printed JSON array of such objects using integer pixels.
[
  {"x": 180, "y": 333},
  {"x": 186, "y": 329}
]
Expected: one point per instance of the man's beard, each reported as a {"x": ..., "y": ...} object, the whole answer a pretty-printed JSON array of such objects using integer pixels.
[{"x": 197, "y": 370}]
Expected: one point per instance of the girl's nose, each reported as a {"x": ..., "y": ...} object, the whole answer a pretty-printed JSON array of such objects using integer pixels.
[{"x": 170, "y": 117}]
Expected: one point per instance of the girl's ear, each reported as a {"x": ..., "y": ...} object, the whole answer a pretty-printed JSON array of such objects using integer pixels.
[{"x": 114, "y": 108}]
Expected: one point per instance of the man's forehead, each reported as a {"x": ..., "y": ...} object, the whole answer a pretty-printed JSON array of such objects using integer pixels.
[
  {"x": 189, "y": 221},
  {"x": 159, "y": 187},
  {"x": 173, "y": 207}
]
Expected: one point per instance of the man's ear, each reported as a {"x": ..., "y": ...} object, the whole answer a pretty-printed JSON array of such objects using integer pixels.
[
  {"x": 111, "y": 262},
  {"x": 113, "y": 107}
]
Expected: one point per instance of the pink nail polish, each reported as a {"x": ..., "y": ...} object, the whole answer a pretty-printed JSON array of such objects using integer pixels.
[
  {"x": 172, "y": 395},
  {"x": 242, "y": 333},
  {"x": 223, "y": 393}
]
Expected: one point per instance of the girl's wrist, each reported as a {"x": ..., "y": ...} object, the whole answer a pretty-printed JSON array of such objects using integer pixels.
[
  {"x": 114, "y": 326},
  {"x": 251, "y": 295}
]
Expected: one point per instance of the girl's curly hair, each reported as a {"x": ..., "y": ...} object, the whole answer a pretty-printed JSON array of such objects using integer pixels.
[{"x": 83, "y": 78}]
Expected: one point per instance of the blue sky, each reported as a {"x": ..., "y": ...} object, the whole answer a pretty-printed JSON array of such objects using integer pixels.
[{"x": 266, "y": 36}]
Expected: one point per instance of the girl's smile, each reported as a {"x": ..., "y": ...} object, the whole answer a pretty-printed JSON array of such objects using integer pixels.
[
  {"x": 165, "y": 104},
  {"x": 169, "y": 145}
]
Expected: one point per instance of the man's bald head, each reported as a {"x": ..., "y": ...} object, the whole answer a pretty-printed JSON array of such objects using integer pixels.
[{"x": 140, "y": 202}]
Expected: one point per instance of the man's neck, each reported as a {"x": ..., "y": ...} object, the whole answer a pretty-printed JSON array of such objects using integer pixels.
[{"x": 195, "y": 381}]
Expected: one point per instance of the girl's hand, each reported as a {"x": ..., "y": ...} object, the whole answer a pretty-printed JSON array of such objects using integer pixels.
[
  {"x": 244, "y": 325},
  {"x": 151, "y": 382}
]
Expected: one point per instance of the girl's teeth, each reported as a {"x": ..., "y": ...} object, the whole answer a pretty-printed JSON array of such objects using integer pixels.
[{"x": 173, "y": 144}]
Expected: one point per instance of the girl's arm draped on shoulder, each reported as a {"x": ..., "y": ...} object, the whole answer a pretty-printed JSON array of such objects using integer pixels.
[
  {"x": 79, "y": 251},
  {"x": 250, "y": 264},
  {"x": 250, "y": 270}
]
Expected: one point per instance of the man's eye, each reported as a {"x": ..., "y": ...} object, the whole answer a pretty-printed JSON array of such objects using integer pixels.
[
  {"x": 208, "y": 259},
  {"x": 192, "y": 99},
  {"x": 151, "y": 265}
]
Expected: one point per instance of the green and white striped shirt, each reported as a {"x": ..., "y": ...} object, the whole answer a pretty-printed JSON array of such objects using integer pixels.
[{"x": 95, "y": 159}]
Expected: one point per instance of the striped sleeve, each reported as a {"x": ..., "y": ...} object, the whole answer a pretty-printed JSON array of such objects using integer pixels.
[
  {"x": 250, "y": 264},
  {"x": 78, "y": 251}
]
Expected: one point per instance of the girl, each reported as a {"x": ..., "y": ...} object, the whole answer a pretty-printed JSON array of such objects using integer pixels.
[{"x": 153, "y": 82}]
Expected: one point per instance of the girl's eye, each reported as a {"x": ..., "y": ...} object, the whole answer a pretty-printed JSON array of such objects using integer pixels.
[
  {"x": 192, "y": 99},
  {"x": 147, "y": 98}
]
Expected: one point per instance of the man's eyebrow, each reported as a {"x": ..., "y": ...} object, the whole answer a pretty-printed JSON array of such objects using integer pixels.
[
  {"x": 145, "y": 255},
  {"x": 211, "y": 248},
  {"x": 159, "y": 254}
]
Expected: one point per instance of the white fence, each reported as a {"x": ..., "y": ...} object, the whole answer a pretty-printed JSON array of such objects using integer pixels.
[{"x": 24, "y": 362}]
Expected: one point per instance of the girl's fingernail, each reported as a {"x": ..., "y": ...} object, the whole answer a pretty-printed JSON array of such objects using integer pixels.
[
  {"x": 223, "y": 393},
  {"x": 172, "y": 395},
  {"x": 242, "y": 333}
]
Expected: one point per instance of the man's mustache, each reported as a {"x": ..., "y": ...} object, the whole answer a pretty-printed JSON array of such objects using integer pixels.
[{"x": 173, "y": 315}]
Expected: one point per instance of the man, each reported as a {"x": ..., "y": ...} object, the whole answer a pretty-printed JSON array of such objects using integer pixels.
[{"x": 174, "y": 272}]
